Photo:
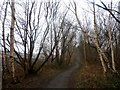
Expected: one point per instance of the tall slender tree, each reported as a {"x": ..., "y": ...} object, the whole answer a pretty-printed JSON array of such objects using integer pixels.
[
  {"x": 12, "y": 64},
  {"x": 97, "y": 41}
]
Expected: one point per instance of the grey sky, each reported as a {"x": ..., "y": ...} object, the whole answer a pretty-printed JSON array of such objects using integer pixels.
[{"x": 82, "y": 5}]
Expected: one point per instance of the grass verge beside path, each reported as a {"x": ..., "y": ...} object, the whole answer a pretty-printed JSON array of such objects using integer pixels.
[{"x": 92, "y": 77}]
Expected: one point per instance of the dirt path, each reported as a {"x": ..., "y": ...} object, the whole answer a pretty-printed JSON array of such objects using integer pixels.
[{"x": 62, "y": 80}]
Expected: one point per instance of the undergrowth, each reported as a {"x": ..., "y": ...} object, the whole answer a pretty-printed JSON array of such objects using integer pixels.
[
  {"x": 92, "y": 77},
  {"x": 39, "y": 80}
]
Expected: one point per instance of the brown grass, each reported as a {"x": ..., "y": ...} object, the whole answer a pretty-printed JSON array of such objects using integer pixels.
[
  {"x": 92, "y": 77},
  {"x": 40, "y": 80}
]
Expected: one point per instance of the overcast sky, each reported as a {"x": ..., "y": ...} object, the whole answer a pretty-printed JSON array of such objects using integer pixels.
[{"x": 82, "y": 5}]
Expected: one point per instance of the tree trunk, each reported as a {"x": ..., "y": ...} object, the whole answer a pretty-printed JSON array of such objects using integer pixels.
[
  {"x": 12, "y": 64},
  {"x": 84, "y": 46},
  {"x": 111, "y": 46},
  {"x": 3, "y": 67},
  {"x": 97, "y": 42},
  {"x": 57, "y": 55}
]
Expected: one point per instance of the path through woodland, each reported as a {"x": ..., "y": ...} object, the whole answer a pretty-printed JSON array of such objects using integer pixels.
[{"x": 62, "y": 80}]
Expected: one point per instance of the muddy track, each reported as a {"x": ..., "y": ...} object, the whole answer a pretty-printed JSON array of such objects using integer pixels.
[{"x": 62, "y": 80}]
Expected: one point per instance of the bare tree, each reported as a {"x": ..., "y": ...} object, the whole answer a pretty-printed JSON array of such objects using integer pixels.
[
  {"x": 12, "y": 64},
  {"x": 109, "y": 10},
  {"x": 31, "y": 31},
  {"x": 97, "y": 42},
  {"x": 5, "y": 63}
]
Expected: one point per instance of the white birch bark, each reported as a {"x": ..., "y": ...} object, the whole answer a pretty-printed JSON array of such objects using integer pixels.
[
  {"x": 97, "y": 42},
  {"x": 111, "y": 42},
  {"x": 12, "y": 64}
]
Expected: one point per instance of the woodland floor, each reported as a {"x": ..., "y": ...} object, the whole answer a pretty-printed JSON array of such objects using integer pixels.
[
  {"x": 72, "y": 76},
  {"x": 47, "y": 79},
  {"x": 92, "y": 76},
  {"x": 50, "y": 77}
]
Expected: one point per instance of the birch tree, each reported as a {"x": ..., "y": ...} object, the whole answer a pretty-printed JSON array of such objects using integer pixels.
[
  {"x": 110, "y": 33},
  {"x": 111, "y": 42},
  {"x": 12, "y": 64},
  {"x": 97, "y": 42}
]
